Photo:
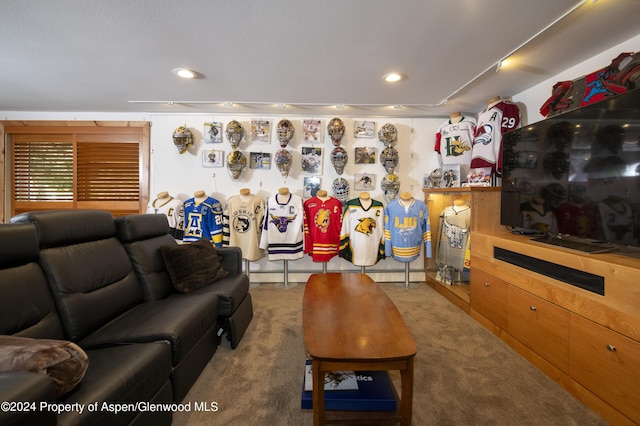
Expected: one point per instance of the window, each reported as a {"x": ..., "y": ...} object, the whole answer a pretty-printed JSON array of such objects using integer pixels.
[{"x": 104, "y": 168}]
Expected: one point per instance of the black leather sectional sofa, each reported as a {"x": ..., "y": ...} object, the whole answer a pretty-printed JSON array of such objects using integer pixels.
[{"x": 85, "y": 277}]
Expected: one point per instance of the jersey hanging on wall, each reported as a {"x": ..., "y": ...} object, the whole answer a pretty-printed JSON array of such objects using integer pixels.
[
  {"x": 406, "y": 228},
  {"x": 362, "y": 234},
  {"x": 203, "y": 221},
  {"x": 242, "y": 225},
  {"x": 173, "y": 210},
  {"x": 454, "y": 142},
  {"x": 322, "y": 224},
  {"x": 453, "y": 238},
  {"x": 282, "y": 230},
  {"x": 492, "y": 123}
]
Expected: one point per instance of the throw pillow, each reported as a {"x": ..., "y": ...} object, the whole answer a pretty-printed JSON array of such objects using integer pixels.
[
  {"x": 65, "y": 362},
  {"x": 191, "y": 266}
]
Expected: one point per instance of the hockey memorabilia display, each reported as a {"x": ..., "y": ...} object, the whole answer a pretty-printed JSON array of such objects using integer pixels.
[
  {"x": 260, "y": 131},
  {"x": 312, "y": 160},
  {"x": 362, "y": 233},
  {"x": 454, "y": 142},
  {"x": 406, "y": 229},
  {"x": 340, "y": 189},
  {"x": 365, "y": 155},
  {"x": 242, "y": 225},
  {"x": 492, "y": 122},
  {"x": 339, "y": 158},
  {"x": 312, "y": 131},
  {"x": 364, "y": 129},
  {"x": 283, "y": 159},
  {"x": 236, "y": 163},
  {"x": 282, "y": 232},
  {"x": 322, "y": 225},
  {"x": 311, "y": 186},
  {"x": 259, "y": 160},
  {"x": 203, "y": 221},
  {"x": 433, "y": 179},
  {"x": 364, "y": 181},
  {"x": 480, "y": 176},
  {"x": 390, "y": 186},
  {"x": 213, "y": 132},
  {"x": 285, "y": 132},
  {"x": 336, "y": 129},
  {"x": 454, "y": 230},
  {"x": 450, "y": 176},
  {"x": 234, "y": 133},
  {"x": 182, "y": 139},
  {"x": 212, "y": 158},
  {"x": 389, "y": 159},
  {"x": 388, "y": 134},
  {"x": 173, "y": 209}
]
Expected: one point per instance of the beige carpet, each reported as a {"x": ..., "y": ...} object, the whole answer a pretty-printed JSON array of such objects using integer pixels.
[{"x": 464, "y": 375}]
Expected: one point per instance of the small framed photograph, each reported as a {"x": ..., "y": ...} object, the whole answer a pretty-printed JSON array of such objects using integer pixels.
[
  {"x": 480, "y": 176},
  {"x": 450, "y": 176},
  {"x": 312, "y": 131},
  {"x": 312, "y": 160},
  {"x": 311, "y": 186},
  {"x": 212, "y": 158},
  {"x": 364, "y": 182},
  {"x": 213, "y": 132},
  {"x": 260, "y": 160},
  {"x": 364, "y": 129},
  {"x": 365, "y": 155},
  {"x": 261, "y": 131}
]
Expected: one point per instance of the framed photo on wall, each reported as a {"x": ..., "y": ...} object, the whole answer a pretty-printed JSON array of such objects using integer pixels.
[
  {"x": 259, "y": 160},
  {"x": 213, "y": 132},
  {"x": 312, "y": 130},
  {"x": 364, "y": 181},
  {"x": 365, "y": 155},
  {"x": 364, "y": 129},
  {"x": 311, "y": 186},
  {"x": 261, "y": 131},
  {"x": 312, "y": 160},
  {"x": 212, "y": 158}
]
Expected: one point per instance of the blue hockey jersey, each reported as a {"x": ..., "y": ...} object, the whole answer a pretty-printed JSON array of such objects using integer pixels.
[
  {"x": 406, "y": 229},
  {"x": 203, "y": 221}
]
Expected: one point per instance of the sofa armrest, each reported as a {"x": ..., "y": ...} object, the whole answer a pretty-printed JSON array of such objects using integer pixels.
[
  {"x": 230, "y": 259},
  {"x": 24, "y": 391}
]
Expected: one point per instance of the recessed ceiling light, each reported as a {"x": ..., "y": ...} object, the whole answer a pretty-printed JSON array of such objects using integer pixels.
[
  {"x": 185, "y": 73},
  {"x": 393, "y": 77}
]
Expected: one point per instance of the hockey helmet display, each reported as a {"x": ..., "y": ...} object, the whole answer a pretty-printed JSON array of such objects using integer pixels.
[
  {"x": 389, "y": 158},
  {"x": 340, "y": 189},
  {"x": 236, "y": 162},
  {"x": 435, "y": 178},
  {"x": 235, "y": 133},
  {"x": 182, "y": 139},
  {"x": 336, "y": 129},
  {"x": 390, "y": 186},
  {"x": 285, "y": 132},
  {"x": 283, "y": 159},
  {"x": 339, "y": 158},
  {"x": 388, "y": 134}
]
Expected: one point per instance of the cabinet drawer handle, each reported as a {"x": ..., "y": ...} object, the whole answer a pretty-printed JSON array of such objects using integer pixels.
[
  {"x": 486, "y": 284},
  {"x": 533, "y": 308},
  {"x": 611, "y": 348}
]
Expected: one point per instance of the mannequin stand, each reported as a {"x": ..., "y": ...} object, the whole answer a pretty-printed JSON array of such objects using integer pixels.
[
  {"x": 285, "y": 282},
  {"x": 324, "y": 267},
  {"x": 247, "y": 270},
  {"x": 407, "y": 282}
]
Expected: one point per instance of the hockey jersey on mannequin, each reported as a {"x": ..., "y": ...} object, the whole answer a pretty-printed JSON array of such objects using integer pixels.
[
  {"x": 242, "y": 225},
  {"x": 492, "y": 123},
  {"x": 406, "y": 229},
  {"x": 454, "y": 231},
  {"x": 173, "y": 209},
  {"x": 203, "y": 221},
  {"x": 282, "y": 231},
  {"x": 362, "y": 234},
  {"x": 454, "y": 142},
  {"x": 322, "y": 225}
]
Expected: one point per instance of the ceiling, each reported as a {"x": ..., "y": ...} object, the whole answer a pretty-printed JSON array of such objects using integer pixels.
[{"x": 119, "y": 55}]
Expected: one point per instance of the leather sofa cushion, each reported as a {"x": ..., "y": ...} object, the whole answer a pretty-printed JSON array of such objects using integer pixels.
[
  {"x": 192, "y": 266},
  {"x": 231, "y": 292},
  {"x": 64, "y": 362}
]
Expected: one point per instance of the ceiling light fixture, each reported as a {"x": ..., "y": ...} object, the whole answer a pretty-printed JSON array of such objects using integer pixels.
[
  {"x": 185, "y": 73},
  {"x": 393, "y": 77}
]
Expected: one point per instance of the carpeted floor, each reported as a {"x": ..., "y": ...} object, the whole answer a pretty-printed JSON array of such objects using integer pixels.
[{"x": 464, "y": 375}]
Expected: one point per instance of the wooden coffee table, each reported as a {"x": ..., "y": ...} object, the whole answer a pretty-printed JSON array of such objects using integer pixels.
[{"x": 349, "y": 323}]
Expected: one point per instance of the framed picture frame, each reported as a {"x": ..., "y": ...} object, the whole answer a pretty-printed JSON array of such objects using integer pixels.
[
  {"x": 479, "y": 176},
  {"x": 365, "y": 155},
  {"x": 364, "y": 129},
  {"x": 364, "y": 182},
  {"x": 311, "y": 186},
  {"x": 312, "y": 130},
  {"x": 212, "y": 158},
  {"x": 450, "y": 176},
  {"x": 213, "y": 132},
  {"x": 312, "y": 160},
  {"x": 260, "y": 160},
  {"x": 260, "y": 131}
]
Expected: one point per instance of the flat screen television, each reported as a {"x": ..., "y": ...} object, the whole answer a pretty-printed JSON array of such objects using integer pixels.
[{"x": 574, "y": 179}]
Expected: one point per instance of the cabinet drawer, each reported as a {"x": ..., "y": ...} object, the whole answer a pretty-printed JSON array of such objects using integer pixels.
[
  {"x": 540, "y": 325},
  {"x": 489, "y": 296},
  {"x": 607, "y": 363}
]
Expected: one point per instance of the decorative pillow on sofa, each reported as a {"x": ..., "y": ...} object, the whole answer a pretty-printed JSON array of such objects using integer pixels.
[
  {"x": 65, "y": 362},
  {"x": 192, "y": 266}
]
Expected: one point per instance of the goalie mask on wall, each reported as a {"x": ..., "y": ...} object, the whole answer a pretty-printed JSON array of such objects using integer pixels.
[
  {"x": 340, "y": 189},
  {"x": 285, "y": 132},
  {"x": 182, "y": 139},
  {"x": 235, "y": 133},
  {"x": 389, "y": 158},
  {"x": 390, "y": 186},
  {"x": 339, "y": 158},
  {"x": 388, "y": 134},
  {"x": 335, "y": 128},
  {"x": 236, "y": 162},
  {"x": 283, "y": 159}
]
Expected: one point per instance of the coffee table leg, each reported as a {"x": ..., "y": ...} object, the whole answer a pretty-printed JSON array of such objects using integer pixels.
[
  {"x": 318, "y": 393},
  {"x": 406, "y": 398}
]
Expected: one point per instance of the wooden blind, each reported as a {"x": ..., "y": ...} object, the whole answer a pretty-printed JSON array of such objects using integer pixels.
[{"x": 108, "y": 171}]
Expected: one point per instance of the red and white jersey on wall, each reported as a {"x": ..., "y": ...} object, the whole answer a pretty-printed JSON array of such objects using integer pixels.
[
  {"x": 493, "y": 122},
  {"x": 322, "y": 225}
]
